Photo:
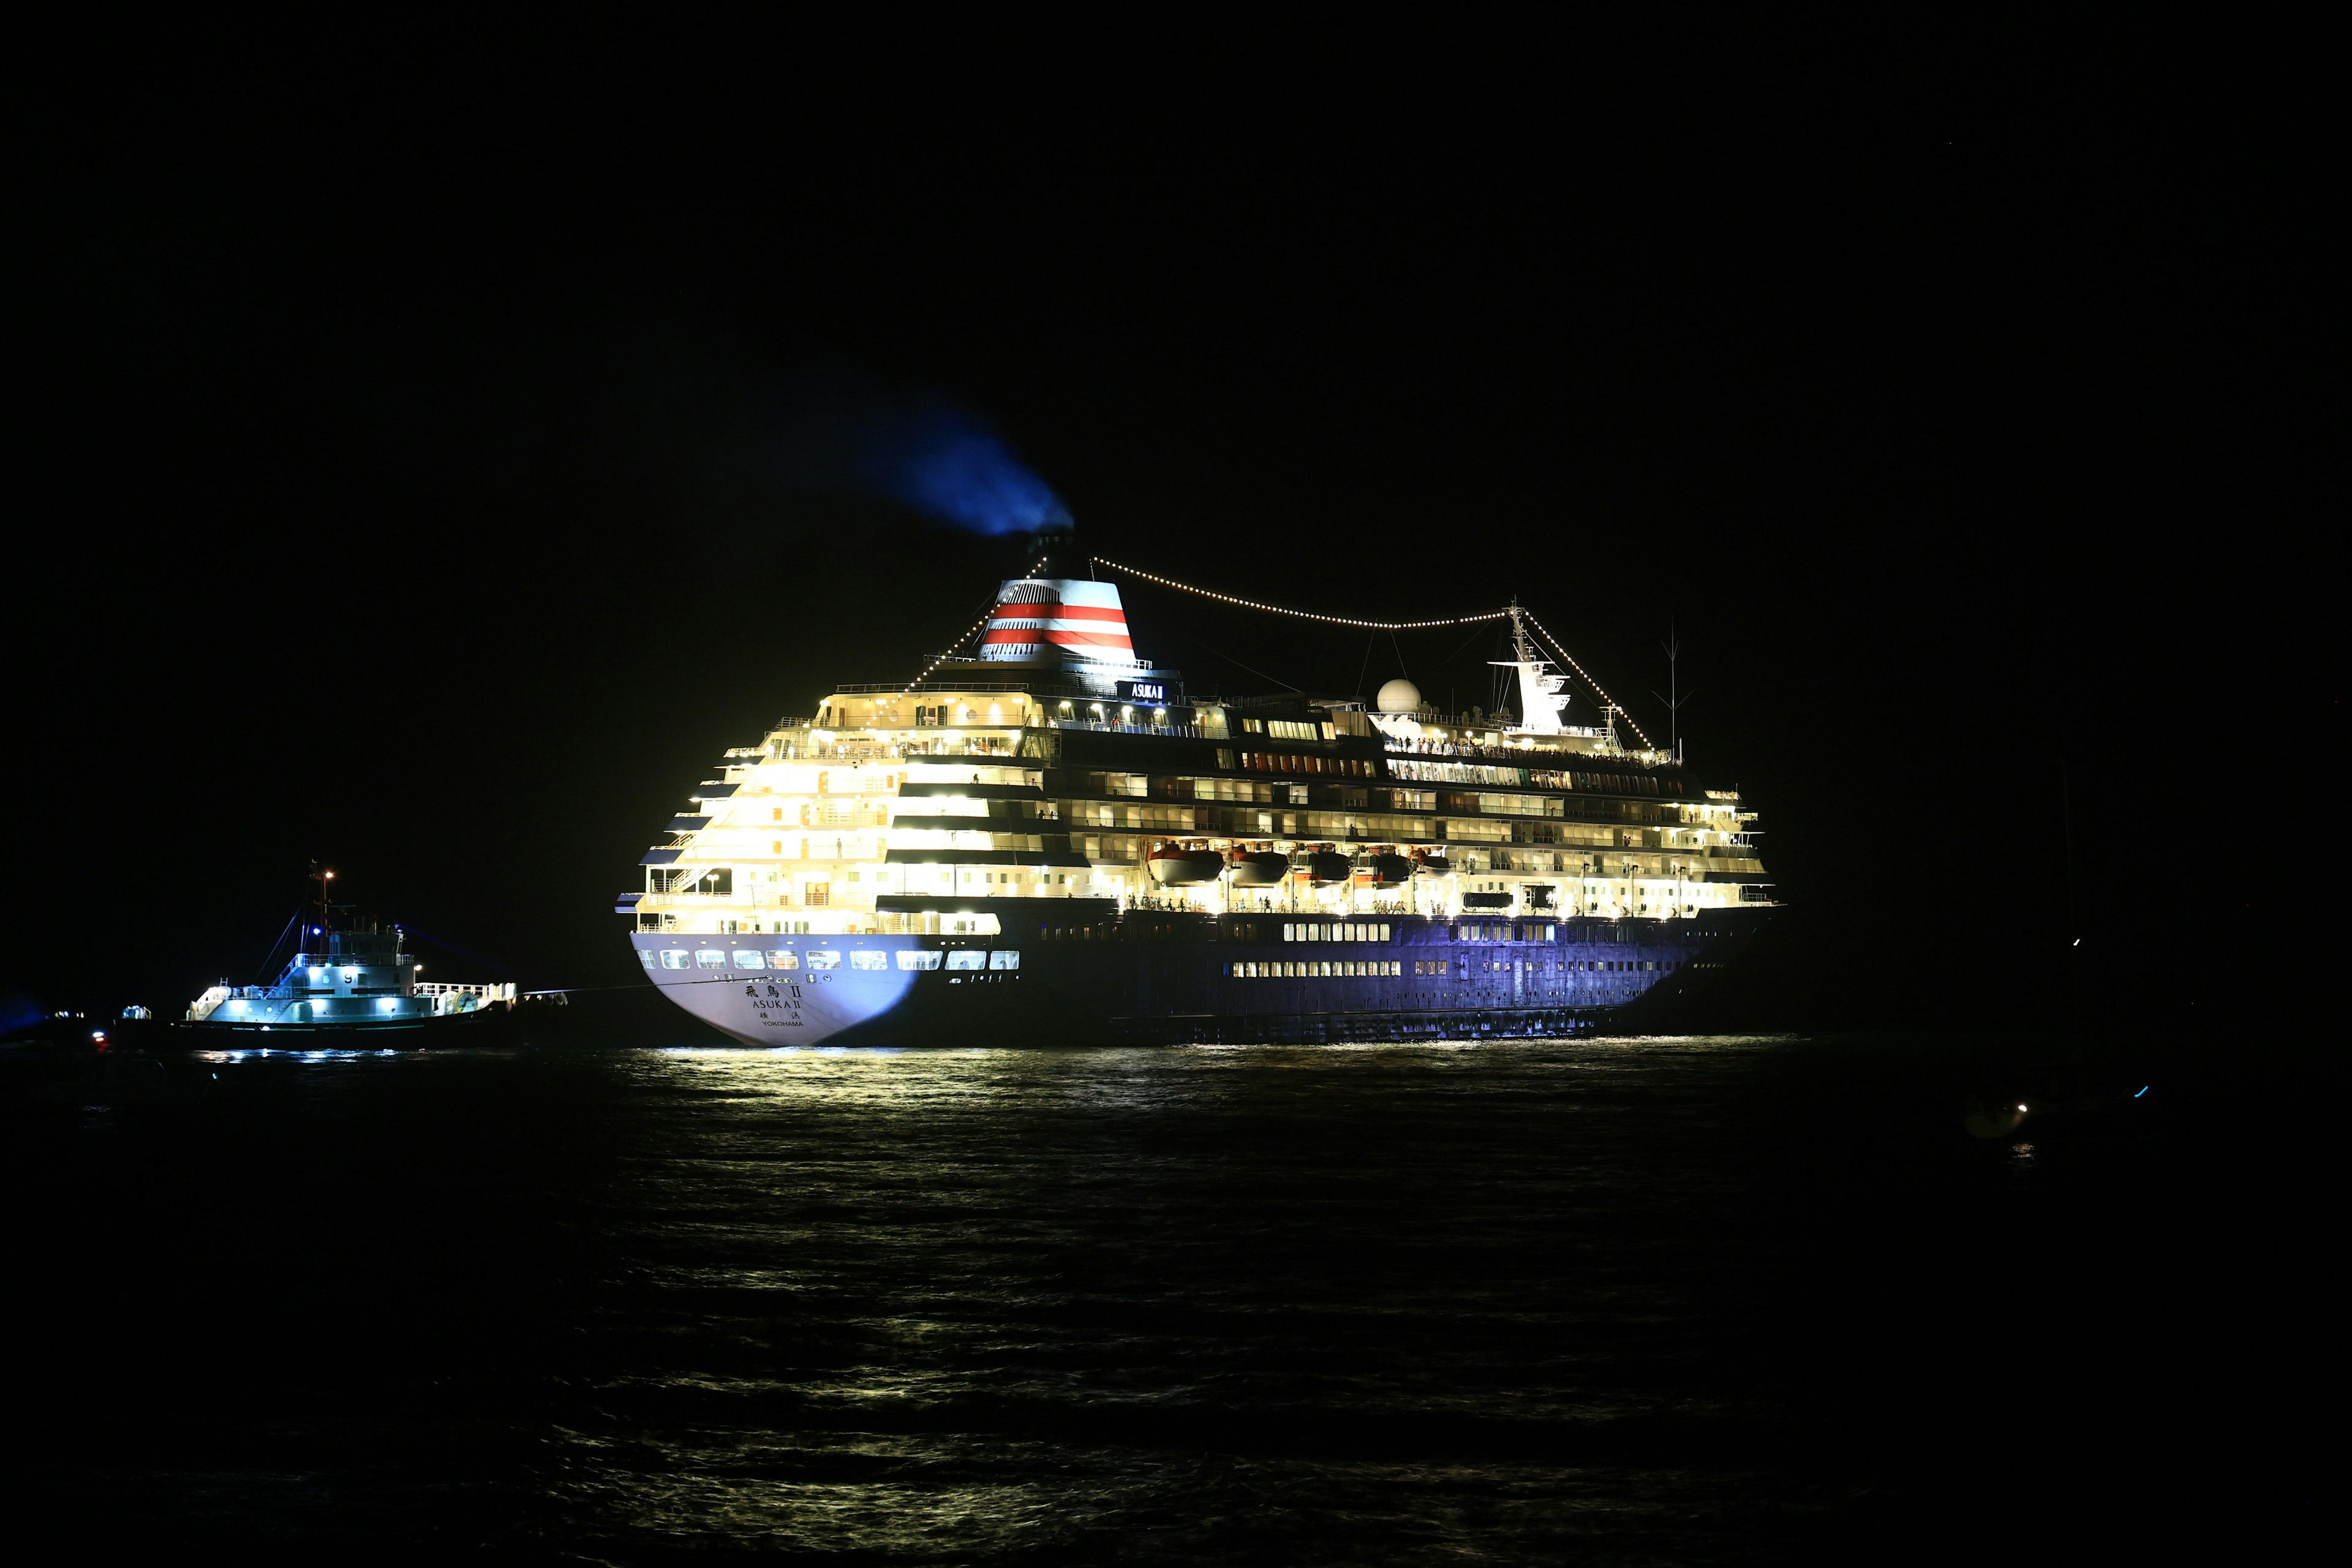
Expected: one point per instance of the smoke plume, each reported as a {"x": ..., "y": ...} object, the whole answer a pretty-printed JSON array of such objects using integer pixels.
[{"x": 924, "y": 451}]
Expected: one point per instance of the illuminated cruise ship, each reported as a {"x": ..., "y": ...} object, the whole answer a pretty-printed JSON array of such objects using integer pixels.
[{"x": 1043, "y": 837}]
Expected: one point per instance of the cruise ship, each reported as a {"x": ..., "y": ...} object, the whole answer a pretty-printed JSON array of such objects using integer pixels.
[{"x": 1043, "y": 837}]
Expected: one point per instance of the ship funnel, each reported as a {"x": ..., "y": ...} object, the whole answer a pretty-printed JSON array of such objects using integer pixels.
[
  {"x": 1078, "y": 625},
  {"x": 1068, "y": 632}
]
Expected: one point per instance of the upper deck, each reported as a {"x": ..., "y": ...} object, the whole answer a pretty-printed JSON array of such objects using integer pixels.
[{"x": 1058, "y": 765}]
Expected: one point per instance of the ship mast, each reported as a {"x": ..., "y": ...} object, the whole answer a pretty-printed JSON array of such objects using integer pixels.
[
  {"x": 1539, "y": 689},
  {"x": 325, "y": 909}
]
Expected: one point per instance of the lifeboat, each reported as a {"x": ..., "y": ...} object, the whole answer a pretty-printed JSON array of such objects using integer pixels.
[
  {"x": 1432, "y": 866},
  {"x": 1260, "y": 870},
  {"x": 1388, "y": 870},
  {"x": 1174, "y": 868},
  {"x": 1323, "y": 866}
]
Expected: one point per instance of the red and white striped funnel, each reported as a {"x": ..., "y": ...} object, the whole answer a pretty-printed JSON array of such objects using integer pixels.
[{"x": 1069, "y": 619}]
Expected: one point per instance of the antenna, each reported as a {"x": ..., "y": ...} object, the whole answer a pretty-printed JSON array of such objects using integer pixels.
[{"x": 1673, "y": 699}]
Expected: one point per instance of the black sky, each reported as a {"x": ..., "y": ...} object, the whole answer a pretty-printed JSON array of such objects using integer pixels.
[{"x": 402, "y": 495}]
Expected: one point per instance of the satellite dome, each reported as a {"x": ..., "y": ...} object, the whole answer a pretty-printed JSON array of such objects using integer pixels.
[{"x": 1399, "y": 697}]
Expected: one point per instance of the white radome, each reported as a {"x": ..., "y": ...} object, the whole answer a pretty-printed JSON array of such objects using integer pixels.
[{"x": 1399, "y": 697}]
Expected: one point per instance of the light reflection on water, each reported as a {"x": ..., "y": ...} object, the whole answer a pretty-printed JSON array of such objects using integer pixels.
[
  {"x": 993, "y": 1301},
  {"x": 1497, "y": 1301}
]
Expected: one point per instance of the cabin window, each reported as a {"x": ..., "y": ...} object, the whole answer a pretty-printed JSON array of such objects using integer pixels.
[
  {"x": 868, "y": 960},
  {"x": 1005, "y": 958},
  {"x": 711, "y": 958},
  {"x": 824, "y": 958},
  {"x": 784, "y": 958},
  {"x": 917, "y": 958},
  {"x": 645, "y": 956},
  {"x": 967, "y": 958},
  {"x": 676, "y": 958},
  {"x": 745, "y": 959}
]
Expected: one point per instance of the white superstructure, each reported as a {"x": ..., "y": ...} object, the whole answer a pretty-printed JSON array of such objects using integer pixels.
[{"x": 1055, "y": 766}]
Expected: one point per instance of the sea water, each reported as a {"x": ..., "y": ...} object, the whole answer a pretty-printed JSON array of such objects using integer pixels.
[{"x": 1660, "y": 1299}]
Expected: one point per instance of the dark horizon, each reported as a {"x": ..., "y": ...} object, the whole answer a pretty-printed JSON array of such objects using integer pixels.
[{"x": 443, "y": 525}]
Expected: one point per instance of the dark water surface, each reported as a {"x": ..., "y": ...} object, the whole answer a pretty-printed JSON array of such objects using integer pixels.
[{"x": 1686, "y": 1300}]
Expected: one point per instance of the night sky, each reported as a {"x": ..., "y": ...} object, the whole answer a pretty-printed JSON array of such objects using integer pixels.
[{"x": 422, "y": 473}]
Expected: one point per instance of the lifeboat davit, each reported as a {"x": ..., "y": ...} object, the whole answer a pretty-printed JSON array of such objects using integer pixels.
[
  {"x": 1323, "y": 866},
  {"x": 1388, "y": 870},
  {"x": 1185, "y": 868},
  {"x": 1260, "y": 870}
]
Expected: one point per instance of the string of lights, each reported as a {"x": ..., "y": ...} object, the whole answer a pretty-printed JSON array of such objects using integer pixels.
[
  {"x": 949, "y": 652},
  {"x": 952, "y": 648},
  {"x": 1302, "y": 614},
  {"x": 1561, "y": 654},
  {"x": 1545, "y": 632}
]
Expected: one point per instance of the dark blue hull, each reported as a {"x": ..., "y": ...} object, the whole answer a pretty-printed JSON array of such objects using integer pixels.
[{"x": 1147, "y": 977}]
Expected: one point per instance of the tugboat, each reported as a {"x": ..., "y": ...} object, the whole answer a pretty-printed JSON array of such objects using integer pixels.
[{"x": 346, "y": 976}]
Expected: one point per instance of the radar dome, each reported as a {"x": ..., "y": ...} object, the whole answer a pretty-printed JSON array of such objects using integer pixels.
[{"x": 1399, "y": 697}]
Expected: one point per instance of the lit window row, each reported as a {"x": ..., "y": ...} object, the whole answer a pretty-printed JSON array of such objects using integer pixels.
[
  {"x": 1505, "y": 932},
  {"x": 1346, "y": 931},
  {"x": 1314, "y": 968},
  {"x": 1282, "y": 763},
  {"x": 745, "y": 959},
  {"x": 961, "y": 958}
]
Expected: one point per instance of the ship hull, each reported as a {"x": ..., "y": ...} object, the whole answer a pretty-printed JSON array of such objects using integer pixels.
[{"x": 1171, "y": 978}]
